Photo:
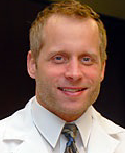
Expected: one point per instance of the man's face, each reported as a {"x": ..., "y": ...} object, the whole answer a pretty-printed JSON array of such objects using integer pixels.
[{"x": 68, "y": 71}]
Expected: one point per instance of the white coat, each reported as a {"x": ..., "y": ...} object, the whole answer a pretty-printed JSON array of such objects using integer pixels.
[{"x": 18, "y": 135}]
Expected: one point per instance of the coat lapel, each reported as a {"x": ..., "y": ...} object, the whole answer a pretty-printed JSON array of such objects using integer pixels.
[
  {"x": 28, "y": 142},
  {"x": 101, "y": 142},
  {"x": 101, "y": 139},
  {"x": 32, "y": 143},
  {"x": 30, "y": 146}
]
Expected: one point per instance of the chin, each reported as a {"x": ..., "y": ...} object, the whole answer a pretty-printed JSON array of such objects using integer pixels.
[{"x": 74, "y": 111}]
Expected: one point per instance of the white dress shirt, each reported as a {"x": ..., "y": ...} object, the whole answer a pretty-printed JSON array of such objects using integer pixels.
[{"x": 50, "y": 126}]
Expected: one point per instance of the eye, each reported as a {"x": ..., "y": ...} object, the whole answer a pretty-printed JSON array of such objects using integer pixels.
[
  {"x": 86, "y": 60},
  {"x": 58, "y": 59}
]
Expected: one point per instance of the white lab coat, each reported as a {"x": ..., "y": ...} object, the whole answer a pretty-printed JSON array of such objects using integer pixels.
[{"x": 19, "y": 135}]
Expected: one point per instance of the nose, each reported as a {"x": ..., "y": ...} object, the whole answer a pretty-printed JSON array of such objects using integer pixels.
[{"x": 73, "y": 71}]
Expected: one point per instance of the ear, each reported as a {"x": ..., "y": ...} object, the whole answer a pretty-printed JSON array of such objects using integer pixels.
[
  {"x": 31, "y": 65},
  {"x": 103, "y": 70}
]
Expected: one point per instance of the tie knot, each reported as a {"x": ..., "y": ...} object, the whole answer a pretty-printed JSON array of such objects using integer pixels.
[{"x": 70, "y": 129}]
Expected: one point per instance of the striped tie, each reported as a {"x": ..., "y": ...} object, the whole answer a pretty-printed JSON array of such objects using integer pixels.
[{"x": 70, "y": 131}]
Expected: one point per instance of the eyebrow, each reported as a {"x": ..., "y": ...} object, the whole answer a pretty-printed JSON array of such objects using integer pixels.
[{"x": 56, "y": 52}]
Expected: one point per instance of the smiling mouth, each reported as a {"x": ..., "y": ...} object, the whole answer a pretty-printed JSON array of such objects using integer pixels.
[{"x": 72, "y": 90}]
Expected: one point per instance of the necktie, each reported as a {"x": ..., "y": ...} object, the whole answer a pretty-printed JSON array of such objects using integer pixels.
[{"x": 70, "y": 131}]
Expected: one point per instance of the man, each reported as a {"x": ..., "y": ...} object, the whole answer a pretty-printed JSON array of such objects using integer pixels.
[{"x": 67, "y": 61}]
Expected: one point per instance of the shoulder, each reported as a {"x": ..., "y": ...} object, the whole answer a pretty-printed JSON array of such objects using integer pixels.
[
  {"x": 109, "y": 126},
  {"x": 108, "y": 132},
  {"x": 18, "y": 121}
]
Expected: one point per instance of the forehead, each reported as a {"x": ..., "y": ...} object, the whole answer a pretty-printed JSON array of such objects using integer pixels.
[
  {"x": 68, "y": 24},
  {"x": 59, "y": 19},
  {"x": 70, "y": 34}
]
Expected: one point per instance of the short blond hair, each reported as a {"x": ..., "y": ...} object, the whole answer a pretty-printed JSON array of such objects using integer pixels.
[{"x": 71, "y": 8}]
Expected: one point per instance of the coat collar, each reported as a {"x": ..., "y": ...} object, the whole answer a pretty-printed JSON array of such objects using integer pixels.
[
  {"x": 100, "y": 141},
  {"x": 103, "y": 135},
  {"x": 25, "y": 134},
  {"x": 30, "y": 145}
]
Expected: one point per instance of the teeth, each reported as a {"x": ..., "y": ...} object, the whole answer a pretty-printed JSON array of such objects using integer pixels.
[{"x": 71, "y": 90}]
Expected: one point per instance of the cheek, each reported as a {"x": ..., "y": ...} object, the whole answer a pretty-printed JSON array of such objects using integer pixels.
[
  {"x": 94, "y": 76},
  {"x": 53, "y": 72},
  {"x": 49, "y": 76}
]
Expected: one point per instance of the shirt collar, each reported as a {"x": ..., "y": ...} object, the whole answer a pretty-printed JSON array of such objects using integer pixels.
[
  {"x": 84, "y": 125},
  {"x": 50, "y": 125},
  {"x": 47, "y": 123}
]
